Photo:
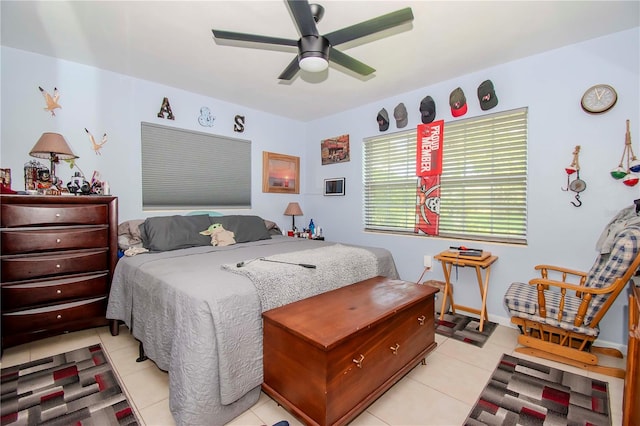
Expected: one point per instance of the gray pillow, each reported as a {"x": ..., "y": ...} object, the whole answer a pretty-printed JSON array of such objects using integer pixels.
[
  {"x": 245, "y": 228},
  {"x": 165, "y": 233}
]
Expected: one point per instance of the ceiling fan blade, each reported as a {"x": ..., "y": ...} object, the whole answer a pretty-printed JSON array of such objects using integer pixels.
[
  {"x": 371, "y": 26},
  {"x": 228, "y": 35},
  {"x": 304, "y": 19},
  {"x": 349, "y": 62},
  {"x": 291, "y": 70}
]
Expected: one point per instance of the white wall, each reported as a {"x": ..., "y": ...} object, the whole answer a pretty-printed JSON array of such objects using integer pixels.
[
  {"x": 550, "y": 85},
  {"x": 103, "y": 101}
]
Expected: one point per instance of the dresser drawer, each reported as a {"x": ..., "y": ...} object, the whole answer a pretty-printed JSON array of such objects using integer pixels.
[
  {"x": 34, "y": 293},
  {"x": 16, "y": 268},
  {"x": 14, "y": 215},
  {"x": 34, "y": 320},
  {"x": 31, "y": 240}
]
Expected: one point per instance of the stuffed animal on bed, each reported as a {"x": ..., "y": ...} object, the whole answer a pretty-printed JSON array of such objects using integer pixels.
[{"x": 219, "y": 235}]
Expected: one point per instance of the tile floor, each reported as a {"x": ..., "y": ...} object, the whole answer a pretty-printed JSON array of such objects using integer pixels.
[{"x": 440, "y": 393}]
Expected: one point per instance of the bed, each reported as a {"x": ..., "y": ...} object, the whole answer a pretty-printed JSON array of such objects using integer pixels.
[{"x": 196, "y": 308}]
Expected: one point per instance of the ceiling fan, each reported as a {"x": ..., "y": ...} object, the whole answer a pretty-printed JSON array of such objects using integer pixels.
[{"x": 315, "y": 50}]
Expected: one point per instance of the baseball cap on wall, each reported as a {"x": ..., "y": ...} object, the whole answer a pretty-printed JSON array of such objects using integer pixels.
[
  {"x": 400, "y": 114},
  {"x": 487, "y": 95},
  {"x": 383, "y": 120},
  {"x": 458, "y": 102},
  {"x": 427, "y": 110}
]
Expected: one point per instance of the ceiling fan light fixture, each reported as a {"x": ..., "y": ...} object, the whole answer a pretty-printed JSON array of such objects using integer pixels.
[
  {"x": 313, "y": 64},
  {"x": 314, "y": 53}
]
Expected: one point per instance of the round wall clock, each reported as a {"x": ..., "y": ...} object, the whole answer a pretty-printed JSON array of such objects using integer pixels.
[{"x": 599, "y": 98}]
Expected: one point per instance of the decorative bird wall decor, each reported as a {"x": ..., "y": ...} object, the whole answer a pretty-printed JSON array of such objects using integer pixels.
[
  {"x": 52, "y": 101},
  {"x": 95, "y": 145}
]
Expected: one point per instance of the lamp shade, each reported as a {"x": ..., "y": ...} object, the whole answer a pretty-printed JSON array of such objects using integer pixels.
[
  {"x": 293, "y": 209},
  {"x": 52, "y": 145}
]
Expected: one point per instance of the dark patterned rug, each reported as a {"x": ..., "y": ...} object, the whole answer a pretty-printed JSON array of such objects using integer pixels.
[
  {"x": 464, "y": 328},
  {"x": 74, "y": 388},
  {"x": 525, "y": 393}
]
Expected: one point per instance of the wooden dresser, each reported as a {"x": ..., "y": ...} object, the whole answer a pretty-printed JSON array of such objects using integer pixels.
[
  {"x": 328, "y": 357},
  {"x": 57, "y": 258}
]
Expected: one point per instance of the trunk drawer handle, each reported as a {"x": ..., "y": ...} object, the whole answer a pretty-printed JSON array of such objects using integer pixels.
[{"x": 358, "y": 362}]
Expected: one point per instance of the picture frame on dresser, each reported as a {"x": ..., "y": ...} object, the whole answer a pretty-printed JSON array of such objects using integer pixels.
[{"x": 57, "y": 259}]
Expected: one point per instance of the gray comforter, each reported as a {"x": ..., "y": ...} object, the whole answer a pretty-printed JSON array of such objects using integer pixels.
[{"x": 203, "y": 324}]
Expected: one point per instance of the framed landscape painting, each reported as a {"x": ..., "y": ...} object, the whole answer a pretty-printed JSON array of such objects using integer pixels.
[{"x": 280, "y": 173}]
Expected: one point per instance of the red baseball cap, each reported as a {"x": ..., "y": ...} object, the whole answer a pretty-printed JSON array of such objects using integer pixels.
[{"x": 458, "y": 102}]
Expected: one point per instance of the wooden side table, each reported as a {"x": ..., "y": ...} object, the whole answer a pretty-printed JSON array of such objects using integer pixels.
[{"x": 448, "y": 260}]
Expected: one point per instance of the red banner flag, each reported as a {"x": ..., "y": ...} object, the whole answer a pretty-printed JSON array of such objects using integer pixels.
[
  {"x": 428, "y": 205},
  {"x": 429, "y": 149}
]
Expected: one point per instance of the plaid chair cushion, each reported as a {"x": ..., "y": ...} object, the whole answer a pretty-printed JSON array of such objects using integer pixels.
[
  {"x": 610, "y": 266},
  {"x": 521, "y": 299}
]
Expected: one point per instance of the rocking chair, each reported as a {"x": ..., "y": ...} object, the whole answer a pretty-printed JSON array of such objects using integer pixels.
[{"x": 560, "y": 325}]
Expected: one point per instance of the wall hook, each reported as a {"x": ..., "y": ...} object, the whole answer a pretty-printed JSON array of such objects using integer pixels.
[
  {"x": 579, "y": 203},
  {"x": 577, "y": 185}
]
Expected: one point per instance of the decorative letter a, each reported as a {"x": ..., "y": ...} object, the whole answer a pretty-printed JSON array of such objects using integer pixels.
[{"x": 166, "y": 108}]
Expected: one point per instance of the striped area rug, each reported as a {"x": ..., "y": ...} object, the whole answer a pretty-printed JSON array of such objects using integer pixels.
[
  {"x": 464, "y": 328},
  {"x": 74, "y": 388},
  {"x": 522, "y": 392}
]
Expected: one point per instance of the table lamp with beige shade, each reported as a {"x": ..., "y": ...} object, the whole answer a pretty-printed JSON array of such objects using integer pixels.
[
  {"x": 293, "y": 210},
  {"x": 53, "y": 147}
]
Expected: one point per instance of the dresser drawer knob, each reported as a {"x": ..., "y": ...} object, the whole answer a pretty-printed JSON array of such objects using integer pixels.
[
  {"x": 421, "y": 320},
  {"x": 57, "y": 214},
  {"x": 58, "y": 291},
  {"x": 59, "y": 316},
  {"x": 358, "y": 362},
  {"x": 58, "y": 266},
  {"x": 58, "y": 240},
  {"x": 395, "y": 348}
]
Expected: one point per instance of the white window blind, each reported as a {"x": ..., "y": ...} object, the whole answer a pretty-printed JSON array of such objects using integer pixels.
[
  {"x": 483, "y": 182},
  {"x": 185, "y": 169}
]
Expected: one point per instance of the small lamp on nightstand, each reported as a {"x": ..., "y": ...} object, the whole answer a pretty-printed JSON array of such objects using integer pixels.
[{"x": 293, "y": 210}]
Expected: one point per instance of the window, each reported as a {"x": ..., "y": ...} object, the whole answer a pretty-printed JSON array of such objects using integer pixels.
[
  {"x": 184, "y": 169},
  {"x": 483, "y": 183}
]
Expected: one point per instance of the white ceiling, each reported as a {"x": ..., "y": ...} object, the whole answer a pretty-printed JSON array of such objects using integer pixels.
[{"x": 170, "y": 42}]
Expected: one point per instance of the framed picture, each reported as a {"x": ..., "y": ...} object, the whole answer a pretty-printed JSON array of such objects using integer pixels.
[
  {"x": 334, "y": 186},
  {"x": 5, "y": 177},
  {"x": 335, "y": 150},
  {"x": 280, "y": 173}
]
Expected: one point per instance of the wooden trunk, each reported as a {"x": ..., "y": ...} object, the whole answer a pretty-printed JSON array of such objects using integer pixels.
[{"x": 328, "y": 357}]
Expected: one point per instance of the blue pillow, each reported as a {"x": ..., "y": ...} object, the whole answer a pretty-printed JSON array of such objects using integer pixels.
[{"x": 208, "y": 213}]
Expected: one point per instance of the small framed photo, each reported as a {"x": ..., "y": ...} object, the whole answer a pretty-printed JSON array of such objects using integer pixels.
[{"x": 334, "y": 186}]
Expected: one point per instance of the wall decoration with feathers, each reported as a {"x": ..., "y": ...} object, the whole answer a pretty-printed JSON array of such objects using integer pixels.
[
  {"x": 95, "y": 145},
  {"x": 52, "y": 101}
]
